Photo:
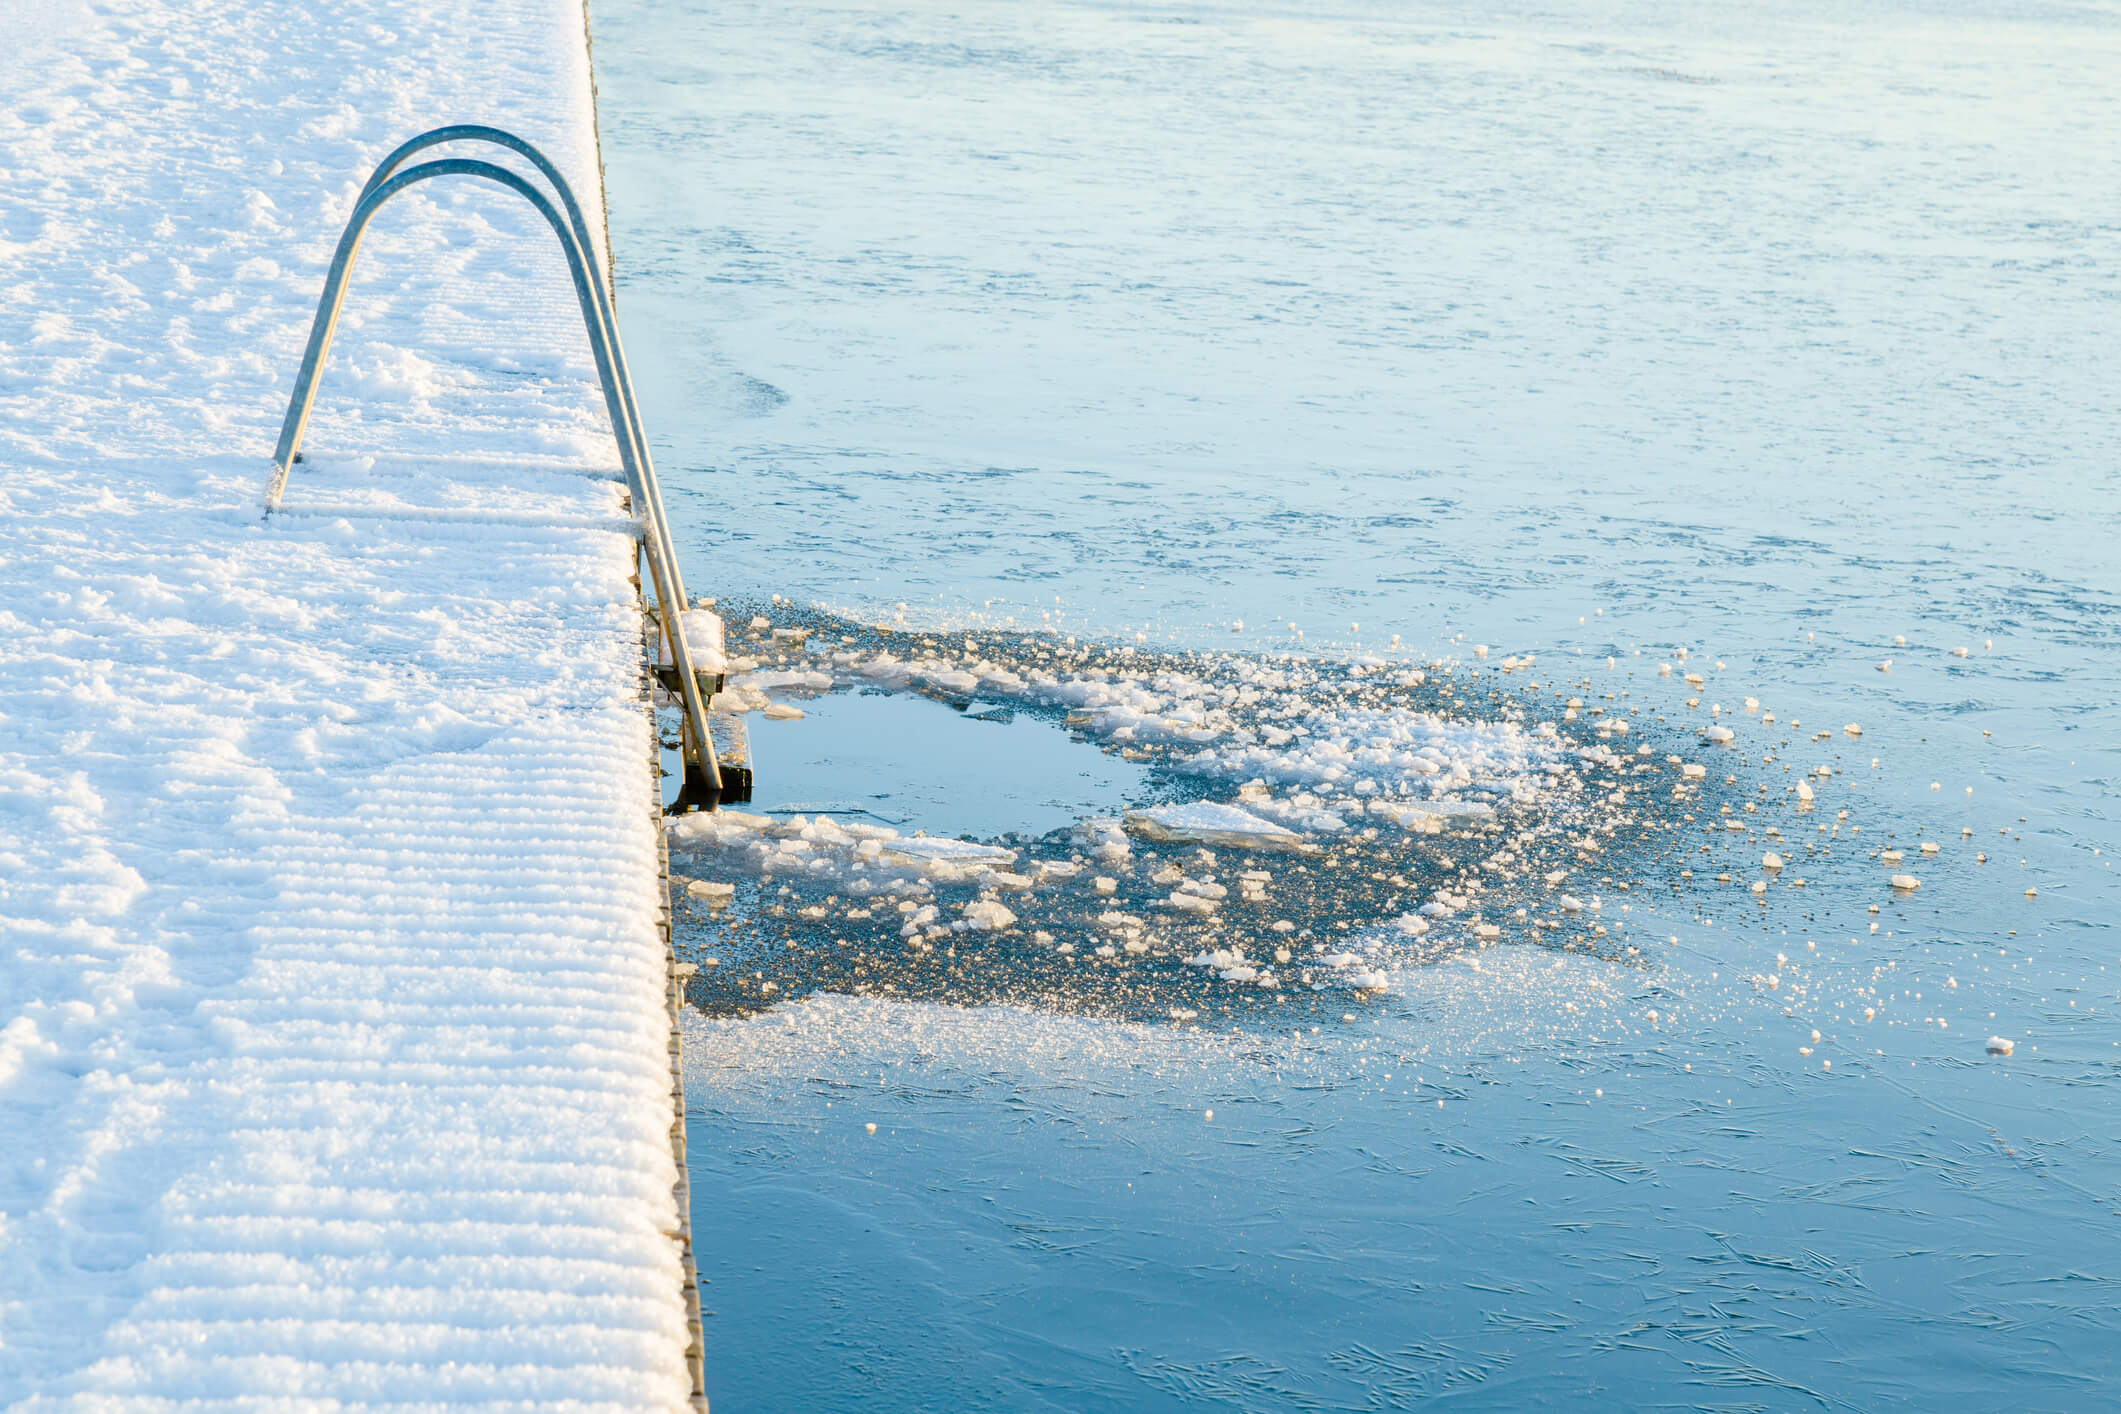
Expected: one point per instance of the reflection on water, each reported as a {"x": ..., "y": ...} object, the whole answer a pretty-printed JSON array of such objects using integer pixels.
[{"x": 1589, "y": 336}]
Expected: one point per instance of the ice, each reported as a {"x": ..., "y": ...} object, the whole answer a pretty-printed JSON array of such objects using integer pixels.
[
  {"x": 987, "y": 915},
  {"x": 1341, "y": 755},
  {"x": 784, "y": 680},
  {"x": 1219, "y": 958},
  {"x": 750, "y": 691},
  {"x": 946, "y": 851},
  {"x": 1205, "y": 822},
  {"x": 1371, "y": 775}
]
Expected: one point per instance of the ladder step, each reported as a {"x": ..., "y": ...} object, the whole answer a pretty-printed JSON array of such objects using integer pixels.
[{"x": 710, "y": 683}]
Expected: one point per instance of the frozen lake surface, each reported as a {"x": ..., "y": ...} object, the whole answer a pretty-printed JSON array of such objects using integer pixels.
[{"x": 1783, "y": 338}]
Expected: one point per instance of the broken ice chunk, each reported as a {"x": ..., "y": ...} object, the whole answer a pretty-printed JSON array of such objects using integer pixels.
[
  {"x": 1204, "y": 822},
  {"x": 923, "y": 847}
]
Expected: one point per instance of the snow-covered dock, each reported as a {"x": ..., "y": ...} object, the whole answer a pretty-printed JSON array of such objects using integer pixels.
[{"x": 334, "y": 1010}]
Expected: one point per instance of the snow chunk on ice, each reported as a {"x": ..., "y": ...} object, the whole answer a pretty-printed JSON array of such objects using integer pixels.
[
  {"x": 987, "y": 915},
  {"x": 1218, "y": 958}
]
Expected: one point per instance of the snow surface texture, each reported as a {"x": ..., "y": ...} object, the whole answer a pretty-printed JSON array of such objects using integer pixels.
[{"x": 333, "y": 1062}]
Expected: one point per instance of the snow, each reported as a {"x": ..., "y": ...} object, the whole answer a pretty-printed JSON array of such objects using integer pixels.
[
  {"x": 333, "y": 1035},
  {"x": 703, "y": 636}
]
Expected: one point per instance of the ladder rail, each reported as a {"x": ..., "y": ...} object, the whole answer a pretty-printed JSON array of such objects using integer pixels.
[
  {"x": 593, "y": 297},
  {"x": 607, "y": 298}
]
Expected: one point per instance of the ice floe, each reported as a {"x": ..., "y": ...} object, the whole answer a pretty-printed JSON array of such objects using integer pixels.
[{"x": 1205, "y": 822}]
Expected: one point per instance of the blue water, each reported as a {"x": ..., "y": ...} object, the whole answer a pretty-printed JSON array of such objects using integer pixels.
[
  {"x": 916, "y": 764},
  {"x": 1778, "y": 335}
]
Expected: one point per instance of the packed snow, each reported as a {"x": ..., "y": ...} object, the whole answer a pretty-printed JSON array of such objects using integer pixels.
[{"x": 333, "y": 1035}]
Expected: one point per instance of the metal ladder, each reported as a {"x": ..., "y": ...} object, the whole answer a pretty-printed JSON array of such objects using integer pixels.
[{"x": 704, "y": 779}]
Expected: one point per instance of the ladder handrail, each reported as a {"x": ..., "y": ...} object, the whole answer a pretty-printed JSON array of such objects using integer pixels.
[
  {"x": 607, "y": 300},
  {"x": 499, "y": 137},
  {"x": 591, "y": 294},
  {"x": 607, "y": 308}
]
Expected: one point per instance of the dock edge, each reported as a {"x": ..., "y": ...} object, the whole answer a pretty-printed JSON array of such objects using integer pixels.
[{"x": 674, "y": 989}]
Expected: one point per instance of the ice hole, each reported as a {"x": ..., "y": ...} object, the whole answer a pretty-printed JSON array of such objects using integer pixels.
[{"x": 909, "y": 761}]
